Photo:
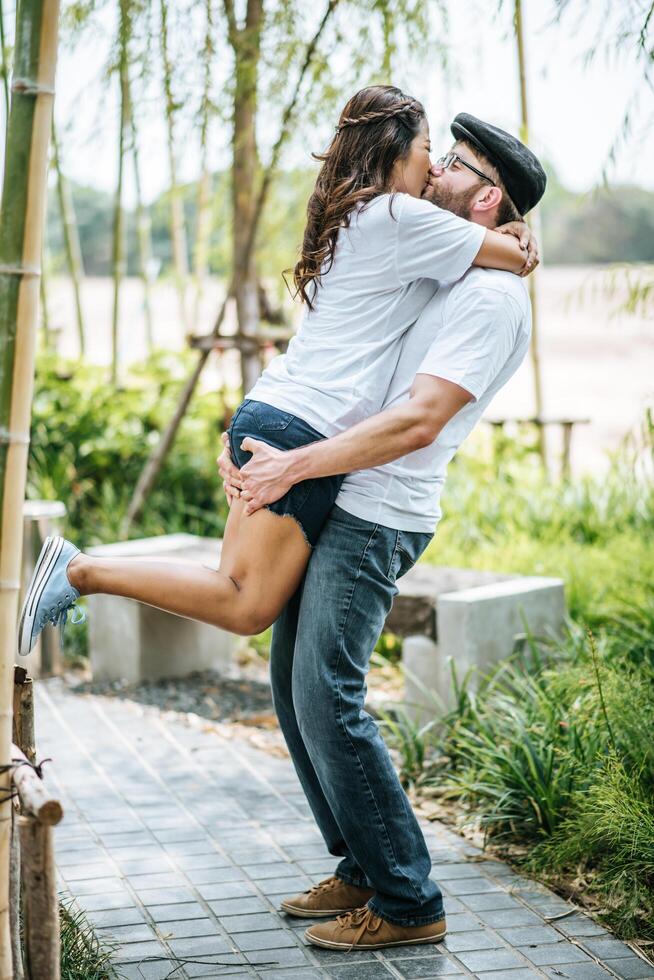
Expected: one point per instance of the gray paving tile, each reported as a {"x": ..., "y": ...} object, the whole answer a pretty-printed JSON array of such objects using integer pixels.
[
  {"x": 250, "y": 922},
  {"x": 199, "y": 945},
  {"x": 266, "y": 939},
  {"x": 207, "y": 876},
  {"x": 165, "y": 896},
  {"x": 172, "y": 912},
  {"x": 226, "y": 889},
  {"x": 448, "y": 871},
  {"x": 471, "y": 886},
  {"x": 360, "y": 971},
  {"x": 187, "y": 928},
  {"x": 116, "y": 917},
  {"x": 582, "y": 925},
  {"x": 427, "y": 966},
  {"x": 128, "y": 934},
  {"x": 506, "y": 918},
  {"x": 578, "y": 971},
  {"x": 610, "y": 948},
  {"x": 138, "y": 951},
  {"x": 631, "y": 968},
  {"x": 274, "y": 869},
  {"x": 114, "y": 900},
  {"x": 463, "y": 922},
  {"x": 524, "y": 974},
  {"x": 491, "y": 900},
  {"x": 553, "y": 953},
  {"x": 491, "y": 959},
  {"x": 239, "y": 906},
  {"x": 530, "y": 934},
  {"x": 476, "y": 939}
]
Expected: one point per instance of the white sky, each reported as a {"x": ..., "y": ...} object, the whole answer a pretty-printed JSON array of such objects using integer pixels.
[{"x": 576, "y": 110}]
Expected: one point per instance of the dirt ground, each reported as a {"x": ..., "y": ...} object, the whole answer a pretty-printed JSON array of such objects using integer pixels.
[{"x": 596, "y": 363}]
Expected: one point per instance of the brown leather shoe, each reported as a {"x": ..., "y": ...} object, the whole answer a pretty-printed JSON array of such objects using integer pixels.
[
  {"x": 328, "y": 897},
  {"x": 362, "y": 929}
]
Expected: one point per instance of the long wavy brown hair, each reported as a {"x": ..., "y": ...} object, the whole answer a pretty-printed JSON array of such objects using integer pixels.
[{"x": 375, "y": 129}]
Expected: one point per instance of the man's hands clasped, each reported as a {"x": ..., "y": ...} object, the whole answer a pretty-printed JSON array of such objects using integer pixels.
[
  {"x": 261, "y": 481},
  {"x": 527, "y": 242}
]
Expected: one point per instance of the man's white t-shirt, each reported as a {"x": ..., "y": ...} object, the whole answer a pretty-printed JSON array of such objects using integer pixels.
[
  {"x": 338, "y": 367},
  {"x": 474, "y": 332}
]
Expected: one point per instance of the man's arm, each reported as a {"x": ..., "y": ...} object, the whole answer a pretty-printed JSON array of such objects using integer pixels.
[{"x": 377, "y": 440}]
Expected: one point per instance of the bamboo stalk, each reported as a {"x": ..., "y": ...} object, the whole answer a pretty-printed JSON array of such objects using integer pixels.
[
  {"x": 143, "y": 228},
  {"x": 43, "y": 293},
  {"x": 14, "y": 897},
  {"x": 3, "y": 60},
  {"x": 22, "y": 214},
  {"x": 71, "y": 237},
  {"x": 533, "y": 222},
  {"x": 118, "y": 230},
  {"x": 203, "y": 225},
  {"x": 177, "y": 223},
  {"x": 33, "y": 796},
  {"x": 40, "y": 904}
]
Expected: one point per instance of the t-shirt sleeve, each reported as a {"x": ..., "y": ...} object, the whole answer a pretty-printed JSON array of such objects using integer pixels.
[
  {"x": 433, "y": 243},
  {"x": 477, "y": 335}
]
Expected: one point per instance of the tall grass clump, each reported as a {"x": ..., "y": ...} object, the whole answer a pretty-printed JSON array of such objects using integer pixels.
[
  {"x": 83, "y": 955},
  {"x": 551, "y": 756}
]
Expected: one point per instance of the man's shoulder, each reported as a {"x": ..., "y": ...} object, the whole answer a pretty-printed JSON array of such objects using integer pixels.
[{"x": 498, "y": 288}]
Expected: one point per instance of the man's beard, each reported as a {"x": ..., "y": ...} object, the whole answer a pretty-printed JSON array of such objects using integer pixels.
[{"x": 458, "y": 203}]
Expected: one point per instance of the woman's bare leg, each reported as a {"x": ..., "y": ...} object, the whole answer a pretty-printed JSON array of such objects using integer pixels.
[{"x": 263, "y": 559}]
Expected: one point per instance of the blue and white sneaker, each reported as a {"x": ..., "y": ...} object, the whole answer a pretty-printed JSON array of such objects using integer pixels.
[{"x": 50, "y": 594}]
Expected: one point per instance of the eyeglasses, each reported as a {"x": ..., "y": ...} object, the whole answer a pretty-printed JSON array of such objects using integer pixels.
[{"x": 446, "y": 161}]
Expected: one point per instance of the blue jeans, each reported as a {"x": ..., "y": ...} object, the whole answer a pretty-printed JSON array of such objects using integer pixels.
[{"x": 319, "y": 658}]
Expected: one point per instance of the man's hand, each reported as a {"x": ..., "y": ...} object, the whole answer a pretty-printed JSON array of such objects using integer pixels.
[
  {"x": 265, "y": 478},
  {"x": 527, "y": 241},
  {"x": 232, "y": 483}
]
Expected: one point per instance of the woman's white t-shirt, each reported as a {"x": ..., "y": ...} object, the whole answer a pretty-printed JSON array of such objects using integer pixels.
[{"x": 338, "y": 367}]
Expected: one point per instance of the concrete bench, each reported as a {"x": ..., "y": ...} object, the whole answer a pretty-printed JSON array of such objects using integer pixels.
[
  {"x": 134, "y": 641},
  {"x": 471, "y": 618},
  {"x": 441, "y": 613}
]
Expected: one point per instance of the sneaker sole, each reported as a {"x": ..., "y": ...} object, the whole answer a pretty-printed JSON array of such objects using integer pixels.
[
  {"x": 329, "y": 944},
  {"x": 50, "y": 551},
  {"x": 314, "y": 914}
]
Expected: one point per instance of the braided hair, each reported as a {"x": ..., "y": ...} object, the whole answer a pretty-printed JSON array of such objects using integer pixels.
[{"x": 375, "y": 129}]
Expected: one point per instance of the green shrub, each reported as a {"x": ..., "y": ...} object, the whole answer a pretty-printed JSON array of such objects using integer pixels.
[{"x": 89, "y": 443}]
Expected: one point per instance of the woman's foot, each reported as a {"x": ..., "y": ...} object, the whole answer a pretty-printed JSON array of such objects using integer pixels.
[{"x": 50, "y": 594}]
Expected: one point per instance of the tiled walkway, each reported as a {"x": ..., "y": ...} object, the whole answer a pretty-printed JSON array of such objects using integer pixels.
[{"x": 179, "y": 844}]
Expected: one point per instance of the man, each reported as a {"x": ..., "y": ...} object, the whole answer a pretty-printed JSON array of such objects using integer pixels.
[{"x": 469, "y": 340}]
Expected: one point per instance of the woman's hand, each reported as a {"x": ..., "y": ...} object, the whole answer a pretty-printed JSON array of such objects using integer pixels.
[
  {"x": 232, "y": 483},
  {"x": 264, "y": 477},
  {"x": 527, "y": 241}
]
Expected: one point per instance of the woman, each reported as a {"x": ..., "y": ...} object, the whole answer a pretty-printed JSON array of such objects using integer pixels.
[{"x": 371, "y": 255}]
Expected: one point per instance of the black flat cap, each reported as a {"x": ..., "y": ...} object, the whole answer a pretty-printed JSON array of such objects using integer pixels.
[{"x": 519, "y": 168}]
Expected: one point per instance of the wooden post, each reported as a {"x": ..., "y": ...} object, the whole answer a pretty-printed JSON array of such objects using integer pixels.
[
  {"x": 14, "y": 897},
  {"x": 565, "y": 457},
  {"x": 40, "y": 903},
  {"x": 23, "y": 726}
]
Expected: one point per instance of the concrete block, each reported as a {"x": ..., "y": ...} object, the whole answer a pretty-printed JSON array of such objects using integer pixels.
[
  {"x": 476, "y": 628},
  {"x": 133, "y": 641}
]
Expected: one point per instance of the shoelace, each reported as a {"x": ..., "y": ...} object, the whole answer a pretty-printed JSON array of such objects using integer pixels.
[
  {"x": 60, "y": 616},
  {"x": 323, "y": 886},
  {"x": 364, "y": 918}
]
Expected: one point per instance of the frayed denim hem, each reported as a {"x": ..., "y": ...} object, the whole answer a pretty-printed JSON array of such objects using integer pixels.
[{"x": 414, "y": 920}]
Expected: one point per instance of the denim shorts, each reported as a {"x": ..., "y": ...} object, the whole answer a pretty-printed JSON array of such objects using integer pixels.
[{"x": 309, "y": 501}]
